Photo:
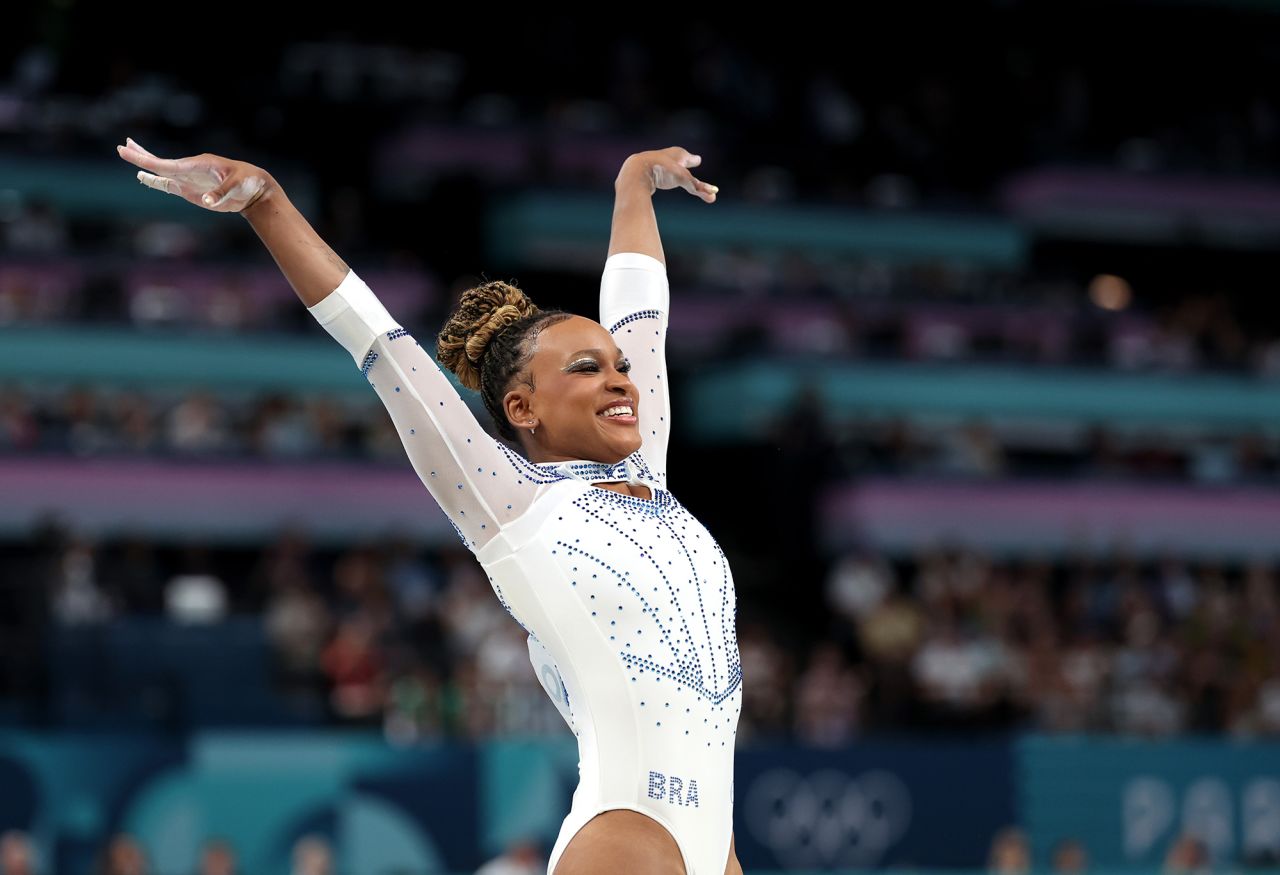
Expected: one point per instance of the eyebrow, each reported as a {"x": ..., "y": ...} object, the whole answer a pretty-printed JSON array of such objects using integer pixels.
[{"x": 596, "y": 351}]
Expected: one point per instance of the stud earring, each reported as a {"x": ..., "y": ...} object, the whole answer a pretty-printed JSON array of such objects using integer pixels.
[{"x": 534, "y": 430}]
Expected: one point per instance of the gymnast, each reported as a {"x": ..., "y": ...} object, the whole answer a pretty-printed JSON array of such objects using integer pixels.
[{"x": 627, "y": 599}]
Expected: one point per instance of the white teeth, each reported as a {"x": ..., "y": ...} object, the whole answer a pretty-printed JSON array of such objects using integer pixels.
[{"x": 613, "y": 411}]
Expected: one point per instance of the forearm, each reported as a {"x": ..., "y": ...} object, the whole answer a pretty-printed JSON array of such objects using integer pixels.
[
  {"x": 635, "y": 226},
  {"x": 311, "y": 267}
]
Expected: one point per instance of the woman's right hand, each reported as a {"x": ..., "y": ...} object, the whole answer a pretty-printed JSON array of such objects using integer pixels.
[
  {"x": 669, "y": 168},
  {"x": 209, "y": 181}
]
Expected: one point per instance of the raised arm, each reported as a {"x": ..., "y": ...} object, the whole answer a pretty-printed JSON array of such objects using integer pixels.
[
  {"x": 479, "y": 483},
  {"x": 224, "y": 185},
  {"x": 635, "y": 227},
  {"x": 634, "y": 295}
]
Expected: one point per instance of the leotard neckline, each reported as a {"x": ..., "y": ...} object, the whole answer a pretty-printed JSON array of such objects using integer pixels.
[{"x": 632, "y": 469}]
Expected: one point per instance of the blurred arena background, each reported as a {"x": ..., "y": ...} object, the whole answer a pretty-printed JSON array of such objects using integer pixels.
[{"x": 977, "y": 377}]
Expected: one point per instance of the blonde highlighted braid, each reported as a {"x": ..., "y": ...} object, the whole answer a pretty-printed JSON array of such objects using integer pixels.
[{"x": 488, "y": 340}]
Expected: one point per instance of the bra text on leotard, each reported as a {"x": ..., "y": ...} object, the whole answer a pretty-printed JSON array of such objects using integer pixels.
[{"x": 672, "y": 788}]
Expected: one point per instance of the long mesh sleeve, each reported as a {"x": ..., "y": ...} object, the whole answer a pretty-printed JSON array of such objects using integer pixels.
[
  {"x": 634, "y": 301},
  {"x": 479, "y": 483}
]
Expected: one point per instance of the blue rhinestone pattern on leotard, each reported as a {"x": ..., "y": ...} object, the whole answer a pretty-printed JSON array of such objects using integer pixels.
[
  {"x": 639, "y": 314},
  {"x": 642, "y": 573}
]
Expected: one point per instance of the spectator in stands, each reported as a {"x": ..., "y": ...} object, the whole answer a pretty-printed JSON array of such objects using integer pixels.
[
  {"x": 123, "y": 856},
  {"x": 828, "y": 699},
  {"x": 280, "y": 429},
  {"x": 1187, "y": 855},
  {"x": 298, "y": 623},
  {"x": 355, "y": 667},
  {"x": 39, "y": 229},
  {"x": 415, "y": 583},
  {"x": 19, "y": 431},
  {"x": 134, "y": 426},
  {"x": 1010, "y": 853},
  {"x": 131, "y": 573},
  {"x": 520, "y": 858},
  {"x": 959, "y": 673},
  {"x": 889, "y": 637},
  {"x": 971, "y": 451},
  {"x": 85, "y": 429},
  {"x": 197, "y": 594},
  {"x": 1256, "y": 699},
  {"x": 1070, "y": 858},
  {"x": 417, "y": 702},
  {"x": 199, "y": 425},
  {"x": 217, "y": 857},
  {"x": 312, "y": 855},
  {"x": 1144, "y": 697},
  {"x": 767, "y": 683},
  {"x": 77, "y": 594},
  {"x": 858, "y": 583},
  {"x": 17, "y": 854}
]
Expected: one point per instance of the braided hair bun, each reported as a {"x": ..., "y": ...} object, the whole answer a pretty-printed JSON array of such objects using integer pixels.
[{"x": 482, "y": 313}]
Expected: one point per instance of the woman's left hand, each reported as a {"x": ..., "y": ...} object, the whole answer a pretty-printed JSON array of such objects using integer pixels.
[
  {"x": 212, "y": 182},
  {"x": 669, "y": 168}
]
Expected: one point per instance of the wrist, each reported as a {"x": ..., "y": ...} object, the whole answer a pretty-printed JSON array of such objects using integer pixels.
[
  {"x": 263, "y": 200},
  {"x": 636, "y": 172}
]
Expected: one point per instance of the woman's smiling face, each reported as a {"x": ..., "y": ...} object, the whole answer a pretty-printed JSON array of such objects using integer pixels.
[{"x": 578, "y": 373}]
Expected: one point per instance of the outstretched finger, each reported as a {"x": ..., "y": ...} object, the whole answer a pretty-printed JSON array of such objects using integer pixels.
[
  {"x": 705, "y": 190},
  {"x": 160, "y": 183},
  {"x": 147, "y": 161},
  {"x": 682, "y": 156},
  {"x": 135, "y": 144}
]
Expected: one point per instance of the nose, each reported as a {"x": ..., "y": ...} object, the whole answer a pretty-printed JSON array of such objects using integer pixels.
[{"x": 619, "y": 380}]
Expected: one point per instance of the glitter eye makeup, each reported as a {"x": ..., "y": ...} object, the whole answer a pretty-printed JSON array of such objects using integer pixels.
[{"x": 624, "y": 366}]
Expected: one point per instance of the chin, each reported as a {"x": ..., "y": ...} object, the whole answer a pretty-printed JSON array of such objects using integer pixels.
[{"x": 626, "y": 449}]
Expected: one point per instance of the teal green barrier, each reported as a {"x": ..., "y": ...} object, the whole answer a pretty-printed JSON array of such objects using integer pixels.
[
  {"x": 172, "y": 359},
  {"x": 1129, "y": 799},
  {"x": 550, "y": 228},
  {"x": 761, "y": 393},
  {"x": 903, "y": 802},
  {"x": 89, "y": 188},
  {"x": 128, "y": 358},
  {"x": 384, "y": 809}
]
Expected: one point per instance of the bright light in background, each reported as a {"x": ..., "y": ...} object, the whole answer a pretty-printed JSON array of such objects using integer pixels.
[{"x": 1110, "y": 292}]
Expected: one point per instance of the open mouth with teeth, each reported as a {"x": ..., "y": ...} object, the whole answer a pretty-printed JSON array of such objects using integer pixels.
[{"x": 623, "y": 414}]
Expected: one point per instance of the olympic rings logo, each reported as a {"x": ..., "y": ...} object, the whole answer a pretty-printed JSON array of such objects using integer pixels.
[{"x": 827, "y": 818}]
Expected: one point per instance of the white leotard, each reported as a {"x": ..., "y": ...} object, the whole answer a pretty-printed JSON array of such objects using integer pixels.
[{"x": 629, "y": 602}]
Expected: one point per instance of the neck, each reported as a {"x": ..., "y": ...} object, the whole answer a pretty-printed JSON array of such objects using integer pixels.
[{"x": 538, "y": 456}]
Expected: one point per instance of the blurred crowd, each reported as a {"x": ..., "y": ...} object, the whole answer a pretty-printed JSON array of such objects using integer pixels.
[
  {"x": 312, "y": 854},
  {"x": 1187, "y": 854},
  {"x": 1010, "y": 854},
  {"x": 901, "y": 137},
  {"x": 415, "y": 642},
  {"x": 874, "y": 127},
  {"x": 85, "y": 422},
  {"x": 412, "y": 641},
  {"x": 833, "y": 307},
  {"x": 976, "y": 449},
  {"x": 955, "y": 638},
  {"x": 125, "y": 855}
]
